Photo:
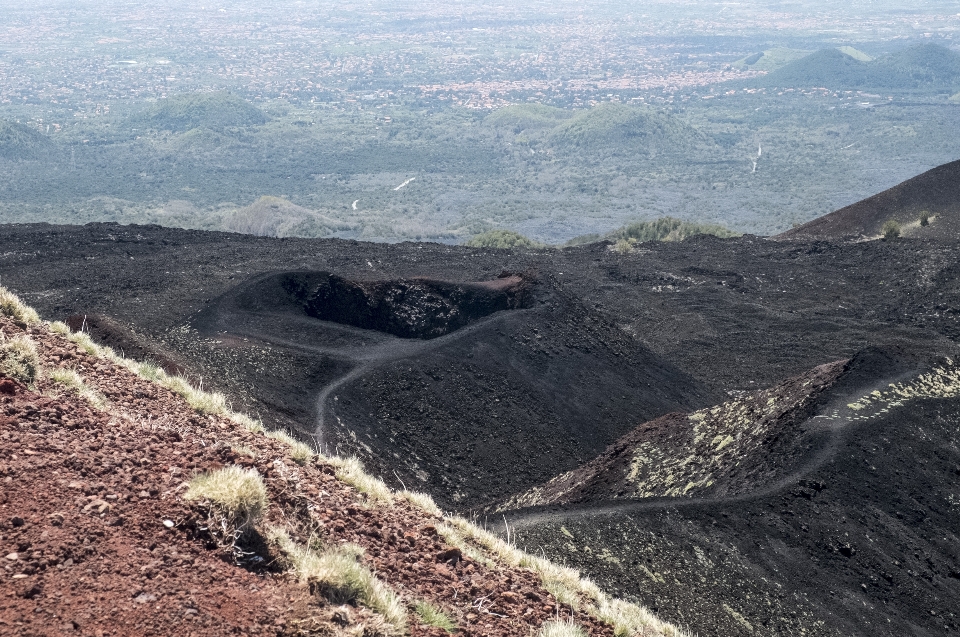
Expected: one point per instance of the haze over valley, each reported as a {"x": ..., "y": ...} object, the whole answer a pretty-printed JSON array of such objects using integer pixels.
[
  {"x": 551, "y": 119},
  {"x": 543, "y": 319}
]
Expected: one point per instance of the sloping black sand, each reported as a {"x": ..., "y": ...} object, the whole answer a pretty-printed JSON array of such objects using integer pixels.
[{"x": 602, "y": 343}]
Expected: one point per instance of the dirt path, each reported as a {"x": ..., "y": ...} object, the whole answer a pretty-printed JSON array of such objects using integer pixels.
[
  {"x": 364, "y": 358},
  {"x": 841, "y": 418}
]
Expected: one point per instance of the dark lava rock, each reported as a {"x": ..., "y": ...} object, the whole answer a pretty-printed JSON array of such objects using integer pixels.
[{"x": 604, "y": 343}]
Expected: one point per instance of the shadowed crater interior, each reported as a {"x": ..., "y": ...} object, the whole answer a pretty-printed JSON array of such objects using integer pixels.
[{"x": 408, "y": 308}]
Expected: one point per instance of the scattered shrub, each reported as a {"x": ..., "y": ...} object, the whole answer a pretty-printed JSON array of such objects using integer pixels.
[
  {"x": 669, "y": 229},
  {"x": 663, "y": 229},
  {"x": 622, "y": 246},
  {"x": 433, "y": 616},
  {"x": 19, "y": 359},
  {"x": 925, "y": 218},
  {"x": 890, "y": 230},
  {"x": 237, "y": 499},
  {"x": 501, "y": 239},
  {"x": 12, "y": 306}
]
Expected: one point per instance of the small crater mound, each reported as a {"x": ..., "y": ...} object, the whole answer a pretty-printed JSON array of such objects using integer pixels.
[{"x": 408, "y": 308}]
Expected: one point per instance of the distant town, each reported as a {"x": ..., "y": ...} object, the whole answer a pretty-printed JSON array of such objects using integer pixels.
[{"x": 80, "y": 59}]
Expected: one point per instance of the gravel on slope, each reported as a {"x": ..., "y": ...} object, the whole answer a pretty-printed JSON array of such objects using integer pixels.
[{"x": 95, "y": 538}]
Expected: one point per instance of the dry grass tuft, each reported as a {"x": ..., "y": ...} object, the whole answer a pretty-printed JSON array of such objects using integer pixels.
[
  {"x": 12, "y": 306},
  {"x": 564, "y": 583},
  {"x": 72, "y": 381},
  {"x": 59, "y": 327},
  {"x": 212, "y": 403},
  {"x": 83, "y": 340},
  {"x": 630, "y": 620},
  {"x": 430, "y": 615},
  {"x": 19, "y": 359},
  {"x": 336, "y": 574},
  {"x": 300, "y": 452},
  {"x": 422, "y": 501},
  {"x": 244, "y": 450},
  {"x": 248, "y": 423},
  {"x": 237, "y": 498},
  {"x": 561, "y": 629},
  {"x": 351, "y": 471}
]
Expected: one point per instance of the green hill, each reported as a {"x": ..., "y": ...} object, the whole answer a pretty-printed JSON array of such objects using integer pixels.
[
  {"x": 528, "y": 116},
  {"x": 925, "y": 65},
  {"x": 856, "y": 54},
  {"x": 277, "y": 217},
  {"x": 771, "y": 59},
  {"x": 198, "y": 140},
  {"x": 830, "y": 68},
  {"x": 922, "y": 67},
  {"x": 616, "y": 127},
  {"x": 214, "y": 111},
  {"x": 22, "y": 142}
]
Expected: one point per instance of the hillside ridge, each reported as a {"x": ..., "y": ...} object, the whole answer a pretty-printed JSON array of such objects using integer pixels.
[
  {"x": 935, "y": 192},
  {"x": 127, "y": 454}
]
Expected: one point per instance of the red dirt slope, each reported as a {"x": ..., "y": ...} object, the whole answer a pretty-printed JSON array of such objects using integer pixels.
[
  {"x": 936, "y": 191},
  {"x": 96, "y": 540}
]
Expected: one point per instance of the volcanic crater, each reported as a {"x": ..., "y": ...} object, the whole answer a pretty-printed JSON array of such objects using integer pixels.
[{"x": 446, "y": 377}]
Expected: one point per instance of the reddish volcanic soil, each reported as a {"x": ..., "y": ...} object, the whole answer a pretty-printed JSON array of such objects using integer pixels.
[{"x": 96, "y": 540}]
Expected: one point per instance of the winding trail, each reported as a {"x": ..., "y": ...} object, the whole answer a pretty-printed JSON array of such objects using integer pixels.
[
  {"x": 840, "y": 420},
  {"x": 364, "y": 359},
  {"x": 378, "y": 349}
]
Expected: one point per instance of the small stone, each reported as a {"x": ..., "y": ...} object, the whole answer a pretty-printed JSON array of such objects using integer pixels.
[
  {"x": 450, "y": 554},
  {"x": 17, "y": 521},
  {"x": 143, "y": 494},
  {"x": 145, "y": 598},
  {"x": 471, "y": 617},
  {"x": 56, "y": 519},
  {"x": 341, "y": 616},
  {"x": 20, "y": 576},
  {"x": 168, "y": 523},
  {"x": 13, "y": 557}
]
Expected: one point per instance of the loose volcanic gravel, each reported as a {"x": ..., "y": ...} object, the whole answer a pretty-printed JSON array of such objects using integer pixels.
[{"x": 95, "y": 538}]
